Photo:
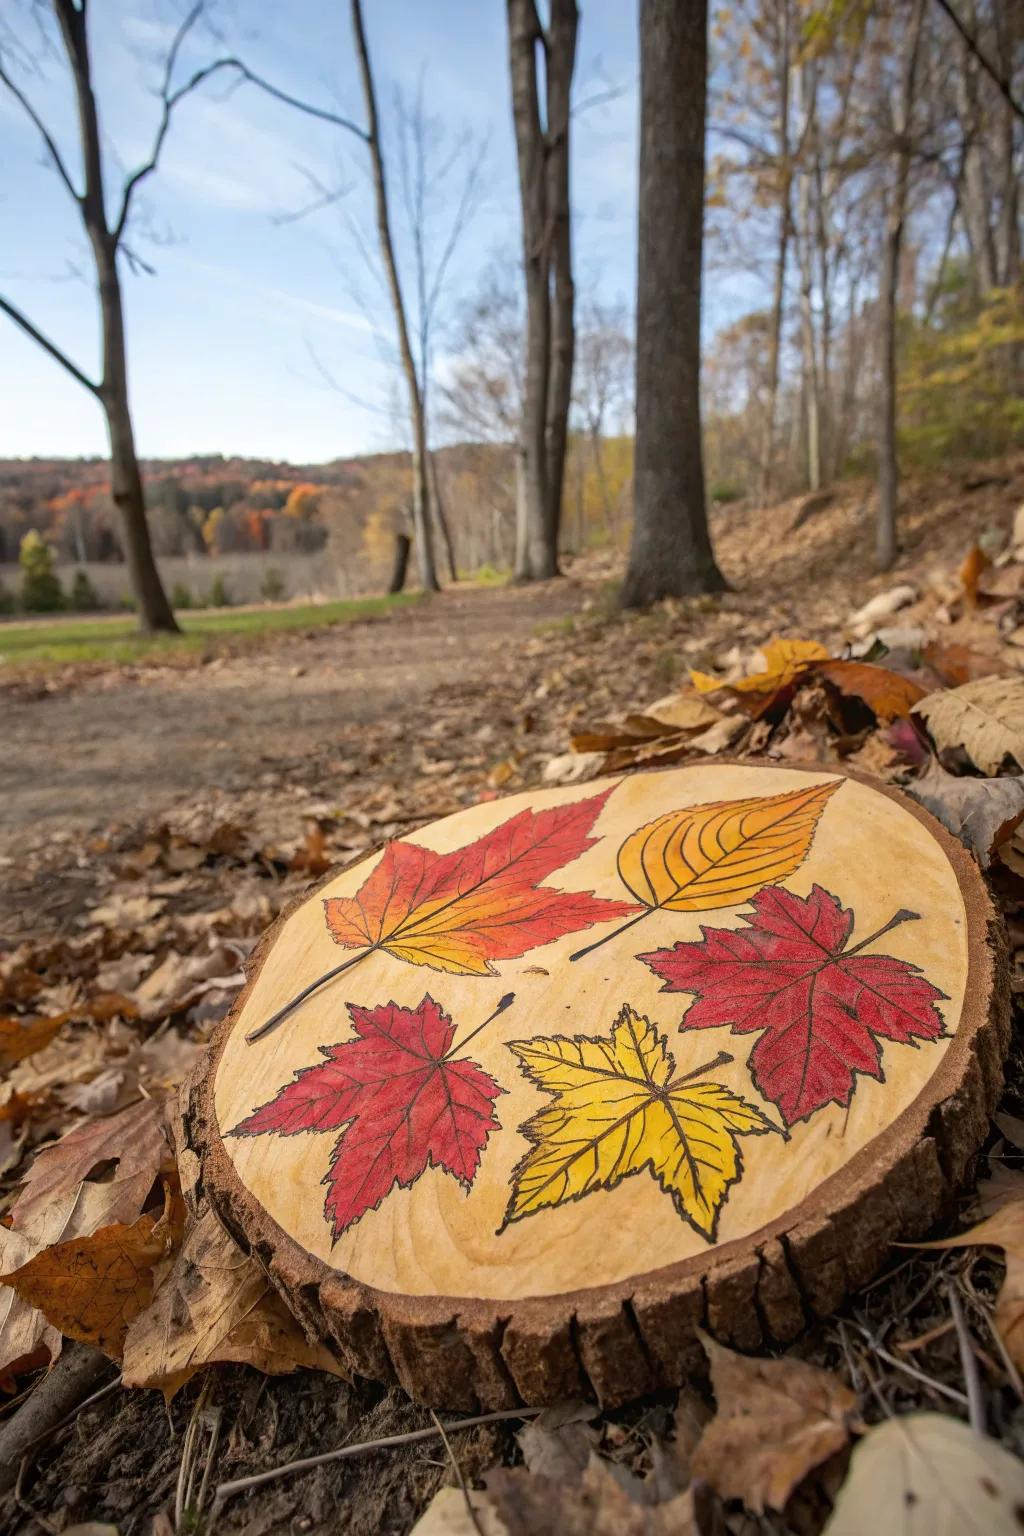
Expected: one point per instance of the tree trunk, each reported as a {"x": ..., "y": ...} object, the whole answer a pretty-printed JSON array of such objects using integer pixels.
[
  {"x": 782, "y": 253},
  {"x": 888, "y": 468},
  {"x": 543, "y": 159},
  {"x": 536, "y": 556},
  {"x": 560, "y": 57},
  {"x": 400, "y": 568},
  {"x": 808, "y": 339},
  {"x": 442, "y": 519},
  {"x": 420, "y": 489},
  {"x": 670, "y": 554},
  {"x": 155, "y": 612}
]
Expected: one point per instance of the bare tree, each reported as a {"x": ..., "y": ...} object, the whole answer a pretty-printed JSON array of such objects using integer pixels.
[
  {"x": 542, "y": 145},
  {"x": 107, "y": 228},
  {"x": 603, "y": 383},
  {"x": 420, "y": 484},
  {"x": 441, "y": 182},
  {"x": 671, "y": 553},
  {"x": 895, "y": 220}
]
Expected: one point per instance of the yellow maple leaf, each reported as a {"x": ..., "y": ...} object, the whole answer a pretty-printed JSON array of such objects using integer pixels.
[
  {"x": 618, "y": 1109},
  {"x": 722, "y": 853},
  {"x": 783, "y": 660}
]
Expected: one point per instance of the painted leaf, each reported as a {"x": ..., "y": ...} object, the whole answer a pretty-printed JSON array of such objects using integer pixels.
[
  {"x": 462, "y": 910},
  {"x": 403, "y": 1099},
  {"x": 822, "y": 1008},
  {"x": 619, "y": 1109},
  {"x": 719, "y": 855},
  {"x": 783, "y": 661}
]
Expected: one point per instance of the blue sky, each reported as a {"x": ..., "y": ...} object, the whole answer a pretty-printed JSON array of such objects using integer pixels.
[{"x": 230, "y": 342}]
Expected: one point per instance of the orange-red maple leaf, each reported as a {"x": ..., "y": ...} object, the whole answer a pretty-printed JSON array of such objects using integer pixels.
[{"x": 462, "y": 910}]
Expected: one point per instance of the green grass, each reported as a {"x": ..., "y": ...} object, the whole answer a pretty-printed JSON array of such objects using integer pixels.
[{"x": 118, "y": 640}]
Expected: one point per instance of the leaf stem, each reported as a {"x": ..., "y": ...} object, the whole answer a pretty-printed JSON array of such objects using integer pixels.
[
  {"x": 506, "y": 1002},
  {"x": 613, "y": 935},
  {"x": 300, "y": 997},
  {"x": 904, "y": 915},
  {"x": 721, "y": 1060}
]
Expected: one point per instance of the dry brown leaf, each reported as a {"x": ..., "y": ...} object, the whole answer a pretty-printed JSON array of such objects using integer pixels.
[
  {"x": 59, "y": 1200},
  {"x": 92, "y": 1287},
  {"x": 889, "y": 695},
  {"x": 21, "y": 1038},
  {"x": 521, "y": 1503},
  {"x": 985, "y": 718},
  {"x": 957, "y": 664},
  {"x": 983, "y": 813},
  {"x": 975, "y": 561},
  {"x": 777, "y": 1420},
  {"x": 216, "y": 1305},
  {"x": 24, "y": 1331},
  {"x": 925, "y": 1474},
  {"x": 1004, "y": 1229}
]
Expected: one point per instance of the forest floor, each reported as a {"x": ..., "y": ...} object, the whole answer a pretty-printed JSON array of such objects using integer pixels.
[{"x": 155, "y": 818}]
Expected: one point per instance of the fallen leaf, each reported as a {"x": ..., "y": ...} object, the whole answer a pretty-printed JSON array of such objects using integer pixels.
[
  {"x": 1004, "y": 1229},
  {"x": 21, "y": 1038},
  {"x": 59, "y": 1201},
  {"x": 460, "y": 911},
  {"x": 975, "y": 561},
  {"x": 783, "y": 662},
  {"x": 403, "y": 1098},
  {"x": 957, "y": 664},
  {"x": 24, "y": 1330},
  {"x": 882, "y": 606},
  {"x": 216, "y": 1306},
  {"x": 683, "y": 712},
  {"x": 573, "y": 767},
  {"x": 776, "y": 1421},
  {"x": 889, "y": 695},
  {"x": 925, "y": 1474},
  {"x": 92, "y": 1287},
  {"x": 619, "y": 1109},
  {"x": 823, "y": 1009},
  {"x": 521, "y": 1503},
  {"x": 982, "y": 813},
  {"x": 985, "y": 718}
]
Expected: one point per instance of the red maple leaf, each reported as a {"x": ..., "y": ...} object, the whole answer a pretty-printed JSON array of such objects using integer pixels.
[
  {"x": 822, "y": 1008},
  {"x": 460, "y": 911},
  {"x": 405, "y": 1103}
]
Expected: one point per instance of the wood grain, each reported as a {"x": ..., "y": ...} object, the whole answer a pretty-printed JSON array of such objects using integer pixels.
[{"x": 601, "y": 1293}]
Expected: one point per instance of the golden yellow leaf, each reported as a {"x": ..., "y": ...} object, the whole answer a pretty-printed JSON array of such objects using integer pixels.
[
  {"x": 618, "y": 1109},
  {"x": 783, "y": 659},
  {"x": 722, "y": 853}
]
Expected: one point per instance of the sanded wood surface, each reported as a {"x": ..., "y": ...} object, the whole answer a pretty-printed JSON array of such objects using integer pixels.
[{"x": 602, "y": 1063}]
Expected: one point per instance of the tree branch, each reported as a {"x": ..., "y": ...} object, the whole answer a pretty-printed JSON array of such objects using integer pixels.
[
  {"x": 171, "y": 99},
  {"x": 982, "y": 58},
  {"x": 47, "y": 137},
  {"x": 48, "y": 346}
]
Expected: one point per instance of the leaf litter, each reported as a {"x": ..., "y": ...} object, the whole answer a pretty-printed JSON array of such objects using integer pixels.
[{"x": 127, "y": 948}]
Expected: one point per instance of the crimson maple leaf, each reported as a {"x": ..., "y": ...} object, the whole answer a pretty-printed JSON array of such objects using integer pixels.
[
  {"x": 405, "y": 1102},
  {"x": 460, "y": 911},
  {"x": 823, "y": 1008}
]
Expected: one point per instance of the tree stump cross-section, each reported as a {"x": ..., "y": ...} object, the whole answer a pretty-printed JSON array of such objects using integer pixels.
[{"x": 510, "y": 1107}]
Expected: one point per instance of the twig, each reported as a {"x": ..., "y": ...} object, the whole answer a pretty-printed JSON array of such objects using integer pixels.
[
  {"x": 59, "y": 1394},
  {"x": 387, "y": 1442},
  {"x": 968, "y": 1364},
  {"x": 458, "y": 1474},
  {"x": 911, "y": 1370},
  {"x": 1004, "y": 1354}
]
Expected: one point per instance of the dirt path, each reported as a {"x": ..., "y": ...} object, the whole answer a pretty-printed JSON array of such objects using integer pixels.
[{"x": 125, "y": 748}]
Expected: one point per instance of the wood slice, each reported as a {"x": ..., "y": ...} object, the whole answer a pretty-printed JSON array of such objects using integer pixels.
[{"x": 603, "y": 1063}]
